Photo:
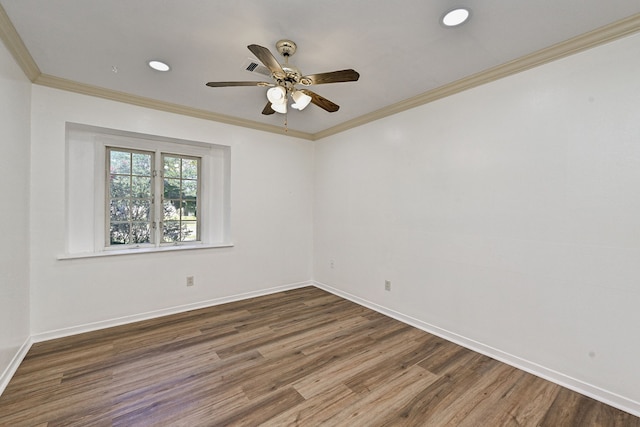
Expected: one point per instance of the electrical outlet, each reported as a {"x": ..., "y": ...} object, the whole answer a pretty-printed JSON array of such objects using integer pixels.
[
  {"x": 190, "y": 281},
  {"x": 387, "y": 285},
  {"x": 332, "y": 263}
]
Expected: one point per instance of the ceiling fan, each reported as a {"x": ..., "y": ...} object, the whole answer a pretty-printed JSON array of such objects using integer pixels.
[{"x": 286, "y": 77}]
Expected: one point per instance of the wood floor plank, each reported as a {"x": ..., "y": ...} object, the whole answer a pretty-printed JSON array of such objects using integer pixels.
[
  {"x": 384, "y": 400},
  {"x": 344, "y": 368},
  {"x": 314, "y": 412},
  {"x": 436, "y": 403},
  {"x": 301, "y": 368},
  {"x": 389, "y": 367},
  {"x": 261, "y": 410},
  {"x": 298, "y": 340},
  {"x": 573, "y": 409},
  {"x": 301, "y": 357},
  {"x": 344, "y": 338},
  {"x": 524, "y": 402}
]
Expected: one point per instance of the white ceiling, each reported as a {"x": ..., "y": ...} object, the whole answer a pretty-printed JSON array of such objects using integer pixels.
[{"x": 399, "y": 48}]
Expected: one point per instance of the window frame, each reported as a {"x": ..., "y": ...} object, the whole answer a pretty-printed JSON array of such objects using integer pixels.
[
  {"x": 199, "y": 201},
  {"x": 108, "y": 198},
  {"x": 86, "y": 174}
]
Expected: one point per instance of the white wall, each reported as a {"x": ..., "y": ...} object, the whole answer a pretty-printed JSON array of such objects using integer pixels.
[
  {"x": 15, "y": 101},
  {"x": 506, "y": 217},
  {"x": 271, "y": 222}
]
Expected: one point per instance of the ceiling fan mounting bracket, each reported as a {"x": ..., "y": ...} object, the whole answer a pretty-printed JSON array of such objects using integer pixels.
[{"x": 286, "y": 48}]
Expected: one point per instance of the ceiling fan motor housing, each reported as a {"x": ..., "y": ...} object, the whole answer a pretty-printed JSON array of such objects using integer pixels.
[{"x": 292, "y": 76}]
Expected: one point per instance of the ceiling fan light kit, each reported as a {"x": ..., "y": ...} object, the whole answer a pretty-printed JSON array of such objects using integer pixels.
[
  {"x": 277, "y": 95},
  {"x": 300, "y": 99},
  {"x": 280, "y": 108},
  {"x": 285, "y": 78}
]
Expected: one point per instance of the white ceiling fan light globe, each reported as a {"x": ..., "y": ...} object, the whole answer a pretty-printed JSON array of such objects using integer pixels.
[
  {"x": 301, "y": 100},
  {"x": 280, "y": 108},
  {"x": 277, "y": 95}
]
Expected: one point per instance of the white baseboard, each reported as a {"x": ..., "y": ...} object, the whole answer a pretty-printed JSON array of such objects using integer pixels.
[
  {"x": 559, "y": 378},
  {"x": 8, "y": 373},
  {"x": 74, "y": 330}
]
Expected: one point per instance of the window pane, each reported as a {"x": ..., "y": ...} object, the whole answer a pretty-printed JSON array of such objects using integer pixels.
[
  {"x": 141, "y": 187},
  {"x": 189, "y": 231},
  {"x": 120, "y": 162},
  {"x": 119, "y": 210},
  {"x": 171, "y": 231},
  {"x": 140, "y": 232},
  {"x": 120, "y": 186},
  {"x": 189, "y": 168},
  {"x": 171, "y": 166},
  {"x": 119, "y": 234},
  {"x": 171, "y": 188},
  {"x": 141, "y": 210},
  {"x": 170, "y": 212},
  {"x": 141, "y": 164},
  {"x": 189, "y": 211},
  {"x": 189, "y": 189}
]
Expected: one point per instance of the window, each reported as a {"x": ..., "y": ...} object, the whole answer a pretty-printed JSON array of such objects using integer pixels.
[
  {"x": 131, "y": 187},
  {"x": 128, "y": 192}
]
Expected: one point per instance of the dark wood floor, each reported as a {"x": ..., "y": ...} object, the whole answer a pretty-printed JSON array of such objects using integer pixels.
[{"x": 297, "y": 358}]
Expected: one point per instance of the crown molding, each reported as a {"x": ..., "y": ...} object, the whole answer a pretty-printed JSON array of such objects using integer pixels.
[
  {"x": 569, "y": 47},
  {"x": 597, "y": 37},
  {"x": 16, "y": 47},
  {"x": 85, "y": 89}
]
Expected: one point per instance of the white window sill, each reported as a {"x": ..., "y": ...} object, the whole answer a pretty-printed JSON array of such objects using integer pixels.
[{"x": 134, "y": 251}]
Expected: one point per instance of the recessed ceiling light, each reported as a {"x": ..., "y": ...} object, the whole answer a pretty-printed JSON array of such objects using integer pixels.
[
  {"x": 455, "y": 17},
  {"x": 159, "y": 65}
]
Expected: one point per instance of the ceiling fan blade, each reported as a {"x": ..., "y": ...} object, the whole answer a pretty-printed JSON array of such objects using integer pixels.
[
  {"x": 321, "y": 101},
  {"x": 331, "y": 77},
  {"x": 228, "y": 84},
  {"x": 266, "y": 57},
  {"x": 267, "y": 110}
]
